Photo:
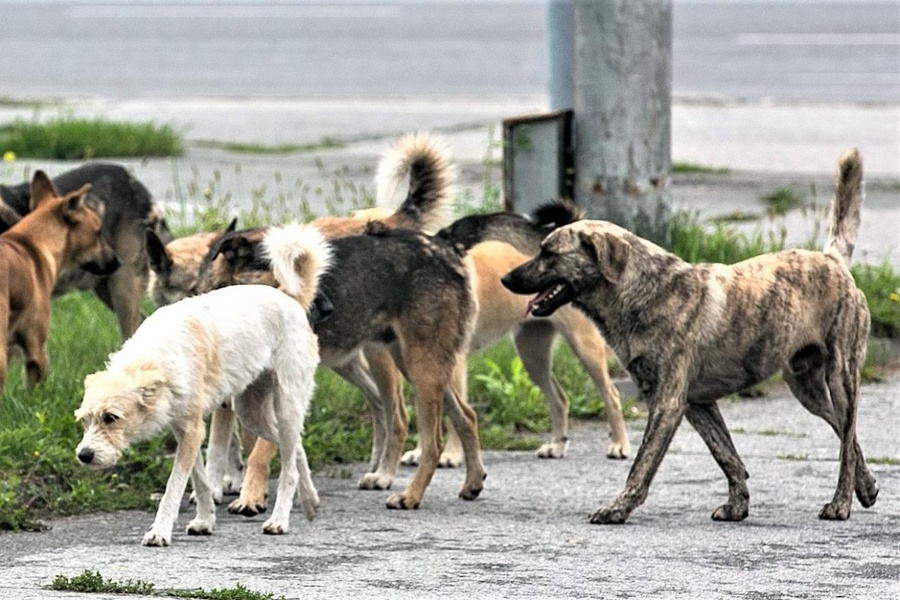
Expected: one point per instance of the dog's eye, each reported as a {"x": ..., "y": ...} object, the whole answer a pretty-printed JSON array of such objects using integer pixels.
[{"x": 109, "y": 418}]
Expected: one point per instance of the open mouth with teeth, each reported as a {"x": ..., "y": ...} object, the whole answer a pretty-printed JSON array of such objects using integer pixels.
[{"x": 546, "y": 302}]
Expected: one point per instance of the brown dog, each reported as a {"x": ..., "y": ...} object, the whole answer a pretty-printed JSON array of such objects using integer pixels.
[
  {"x": 691, "y": 334},
  {"x": 58, "y": 235}
]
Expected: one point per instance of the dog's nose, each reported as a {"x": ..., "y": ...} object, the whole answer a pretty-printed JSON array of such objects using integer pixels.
[
  {"x": 506, "y": 280},
  {"x": 86, "y": 455}
]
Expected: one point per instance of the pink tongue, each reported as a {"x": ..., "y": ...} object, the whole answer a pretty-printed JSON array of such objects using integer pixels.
[{"x": 536, "y": 300}]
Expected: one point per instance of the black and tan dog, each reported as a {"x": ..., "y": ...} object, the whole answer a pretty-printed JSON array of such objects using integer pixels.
[
  {"x": 59, "y": 234},
  {"x": 691, "y": 334},
  {"x": 127, "y": 210},
  {"x": 497, "y": 243}
]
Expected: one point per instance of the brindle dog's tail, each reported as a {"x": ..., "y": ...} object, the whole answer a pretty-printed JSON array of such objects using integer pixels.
[
  {"x": 299, "y": 255},
  {"x": 848, "y": 197},
  {"x": 421, "y": 162}
]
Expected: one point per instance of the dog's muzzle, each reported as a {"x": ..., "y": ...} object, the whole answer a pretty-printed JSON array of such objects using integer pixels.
[
  {"x": 106, "y": 267},
  {"x": 321, "y": 308}
]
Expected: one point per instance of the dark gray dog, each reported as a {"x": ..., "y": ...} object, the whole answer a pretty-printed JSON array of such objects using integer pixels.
[
  {"x": 691, "y": 334},
  {"x": 128, "y": 211}
]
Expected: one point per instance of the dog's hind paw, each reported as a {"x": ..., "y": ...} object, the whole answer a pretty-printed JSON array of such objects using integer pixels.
[
  {"x": 375, "y": 481},
  {"x": 402, "y": 502},
  {"x": 247, "y": 509},
  {"x": 157, "y": 540},
  {"x": 199, "y": 527},
  {"x": 728, "y": 512},
  {"x": 553, "y": 450},
  {"x": 450, "y": 461},
  {"x": 867, "y": 492},
  {"x": 272, "y": 528},
  {"x": 470, "y": 493},
  {"x": 834, "y": 511},
  {"x": 411, "y": 458},
  {"x": 310, "y": 507},
  {"x": 609, "y": 515}
]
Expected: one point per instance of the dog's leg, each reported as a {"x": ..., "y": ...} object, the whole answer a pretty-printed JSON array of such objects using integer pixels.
[
  {"x": 534, "y": 343},
  {"x": 252, "y": 500},
  {"x": 665, "y": 391},
  {"x": 429, "y": 386},
  {"x": 590, "y": 348},
  {"x": 34, "y": 341},
  {"x": 189, "y": 441},
  {"x": 465, "y": 422},
  {"x": 707, "y": 420},
  {"x": 294, "y": 466},
  {"x": 126, "y": 286},
  {"x": 205, "y": 521},
  {"x": 389, "y": 382},
  {"x": 221, "y": 433},
  {"x": 356, "y": 373}
]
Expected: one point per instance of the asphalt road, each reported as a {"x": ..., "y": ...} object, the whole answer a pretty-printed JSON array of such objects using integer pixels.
[
  {"x": 836, "y": 50},
  {"x": 528, "y": 535}
]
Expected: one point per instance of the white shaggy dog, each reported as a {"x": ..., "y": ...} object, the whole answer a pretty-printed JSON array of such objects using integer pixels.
[{"x": 251, "y": 342}]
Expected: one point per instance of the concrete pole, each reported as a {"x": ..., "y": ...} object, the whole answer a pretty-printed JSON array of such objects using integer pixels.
[
  {"x": 560, "y": 30},
  {"x": 623, "y": 97}
]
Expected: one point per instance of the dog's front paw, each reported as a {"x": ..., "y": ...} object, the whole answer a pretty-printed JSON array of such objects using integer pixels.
[
  {"x": 555, "y": 449},
  {"x": 835, "y": 511},
  {"x": 403, "y": 502},
  {"x": 156, "y": 539},
  {"x": 730, "y": 512},
  {"x": 247, "y": 508},
  {"x": 271, "y": 527},
  {"x": 470, "y": 492},
  {"x": 411, "y": 458},
  {"x": 375, "y": 481},
  {"x": 609, "y": 515},
  {"x": 618, "y": 451},
  {"x": 200, "y": 527}
]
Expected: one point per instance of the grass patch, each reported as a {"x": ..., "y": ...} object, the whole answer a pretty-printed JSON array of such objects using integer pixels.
[
  {"x": 92, "y": 582},
  {"x": 78, "y": 138},
  {"x": 794, "y": 457},
  {"x": 9, "y": 102},
  {"x": 326, "y": 143},
  {"x": 737, "y": 216},
  {"x": 686, "y": 167},
  {"x": 884, "y": 460},
  {"x": 778, "y": 202}
]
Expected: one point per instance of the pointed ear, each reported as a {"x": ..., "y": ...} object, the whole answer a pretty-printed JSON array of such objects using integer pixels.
[
  {"x": 41, "y": 189},
  {"x": 75, "y": 203},
  {"x": 611, "y": 253},
  {"x": 160, "y": 261},
  {"x": 231, "y": 226}
]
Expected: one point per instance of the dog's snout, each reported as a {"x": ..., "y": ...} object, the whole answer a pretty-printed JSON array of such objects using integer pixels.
[
  {"x": 103, "y": 267},
  {"x": 86, "y": 455},
  {"x": 509, "y": 281}
]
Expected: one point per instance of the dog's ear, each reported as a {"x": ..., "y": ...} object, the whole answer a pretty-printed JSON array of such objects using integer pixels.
[
  {"x": 160, "y": 261},
  {"x": 150, "y": 380},
  {"x": 231, "y": 226},
  {"x": 74, "y": 206},
  {"x": 42, "y": 188},
  {"x": 609, "y": 251}
]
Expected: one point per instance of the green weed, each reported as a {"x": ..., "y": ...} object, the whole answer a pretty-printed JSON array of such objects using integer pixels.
[
  {"x": 686, "y": 167},
  {"x": 326, "y": 143},
  {"x": 79, "y": 138},
  {"x": 92, "y": 582},
  {"x": 782, "y": 200}
]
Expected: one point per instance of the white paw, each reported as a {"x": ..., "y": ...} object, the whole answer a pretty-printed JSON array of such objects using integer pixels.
[
  {"x": 231, "y": 485},
  {"x": 200, "y": 527},
  {"x": 618, "y": 451},
  {"x": 271, "y": 527},
  {"x": 217, "y": 496},
  {"x": 156, "y": 539},
  {"x": 411, "y": 458},
  {"x": 553, "y": 450},
  {"x": 450, "y": 461},
  {"x": 375, "y": 481}
]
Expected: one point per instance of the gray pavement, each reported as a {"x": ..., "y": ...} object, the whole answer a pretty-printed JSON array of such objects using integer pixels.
[{"x": 528, "y": 535}]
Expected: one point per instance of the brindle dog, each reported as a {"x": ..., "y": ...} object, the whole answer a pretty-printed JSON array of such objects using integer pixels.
[{"x": 691, "y": 334}]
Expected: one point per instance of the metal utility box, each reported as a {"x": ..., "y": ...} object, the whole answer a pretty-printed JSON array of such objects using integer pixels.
[{"x": 538, "y": 160}]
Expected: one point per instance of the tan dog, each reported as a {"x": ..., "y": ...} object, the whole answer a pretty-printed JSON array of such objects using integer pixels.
[
  {"x": 691, "y": 334},
  {"x": 58, "y": 235}
]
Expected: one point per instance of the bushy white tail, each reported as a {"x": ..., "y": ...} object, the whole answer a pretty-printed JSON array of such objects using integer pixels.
[
  {"x": 299, "y": 255},
  {"x": 848, "y": 197},
  {"x": 421, "y": 163}
]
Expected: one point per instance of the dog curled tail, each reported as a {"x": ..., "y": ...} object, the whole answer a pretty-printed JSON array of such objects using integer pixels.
[
  {"x": 848, "y": 198},
  {"x": 299, "y": 255},
  {"x": 422, "y": 161}
]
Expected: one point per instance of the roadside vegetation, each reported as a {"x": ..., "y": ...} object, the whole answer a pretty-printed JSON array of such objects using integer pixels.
[
  {"x": 79, "y": 138},
  {"x": 40, "y": 477},
  {"x": 92, "y": 582}
]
